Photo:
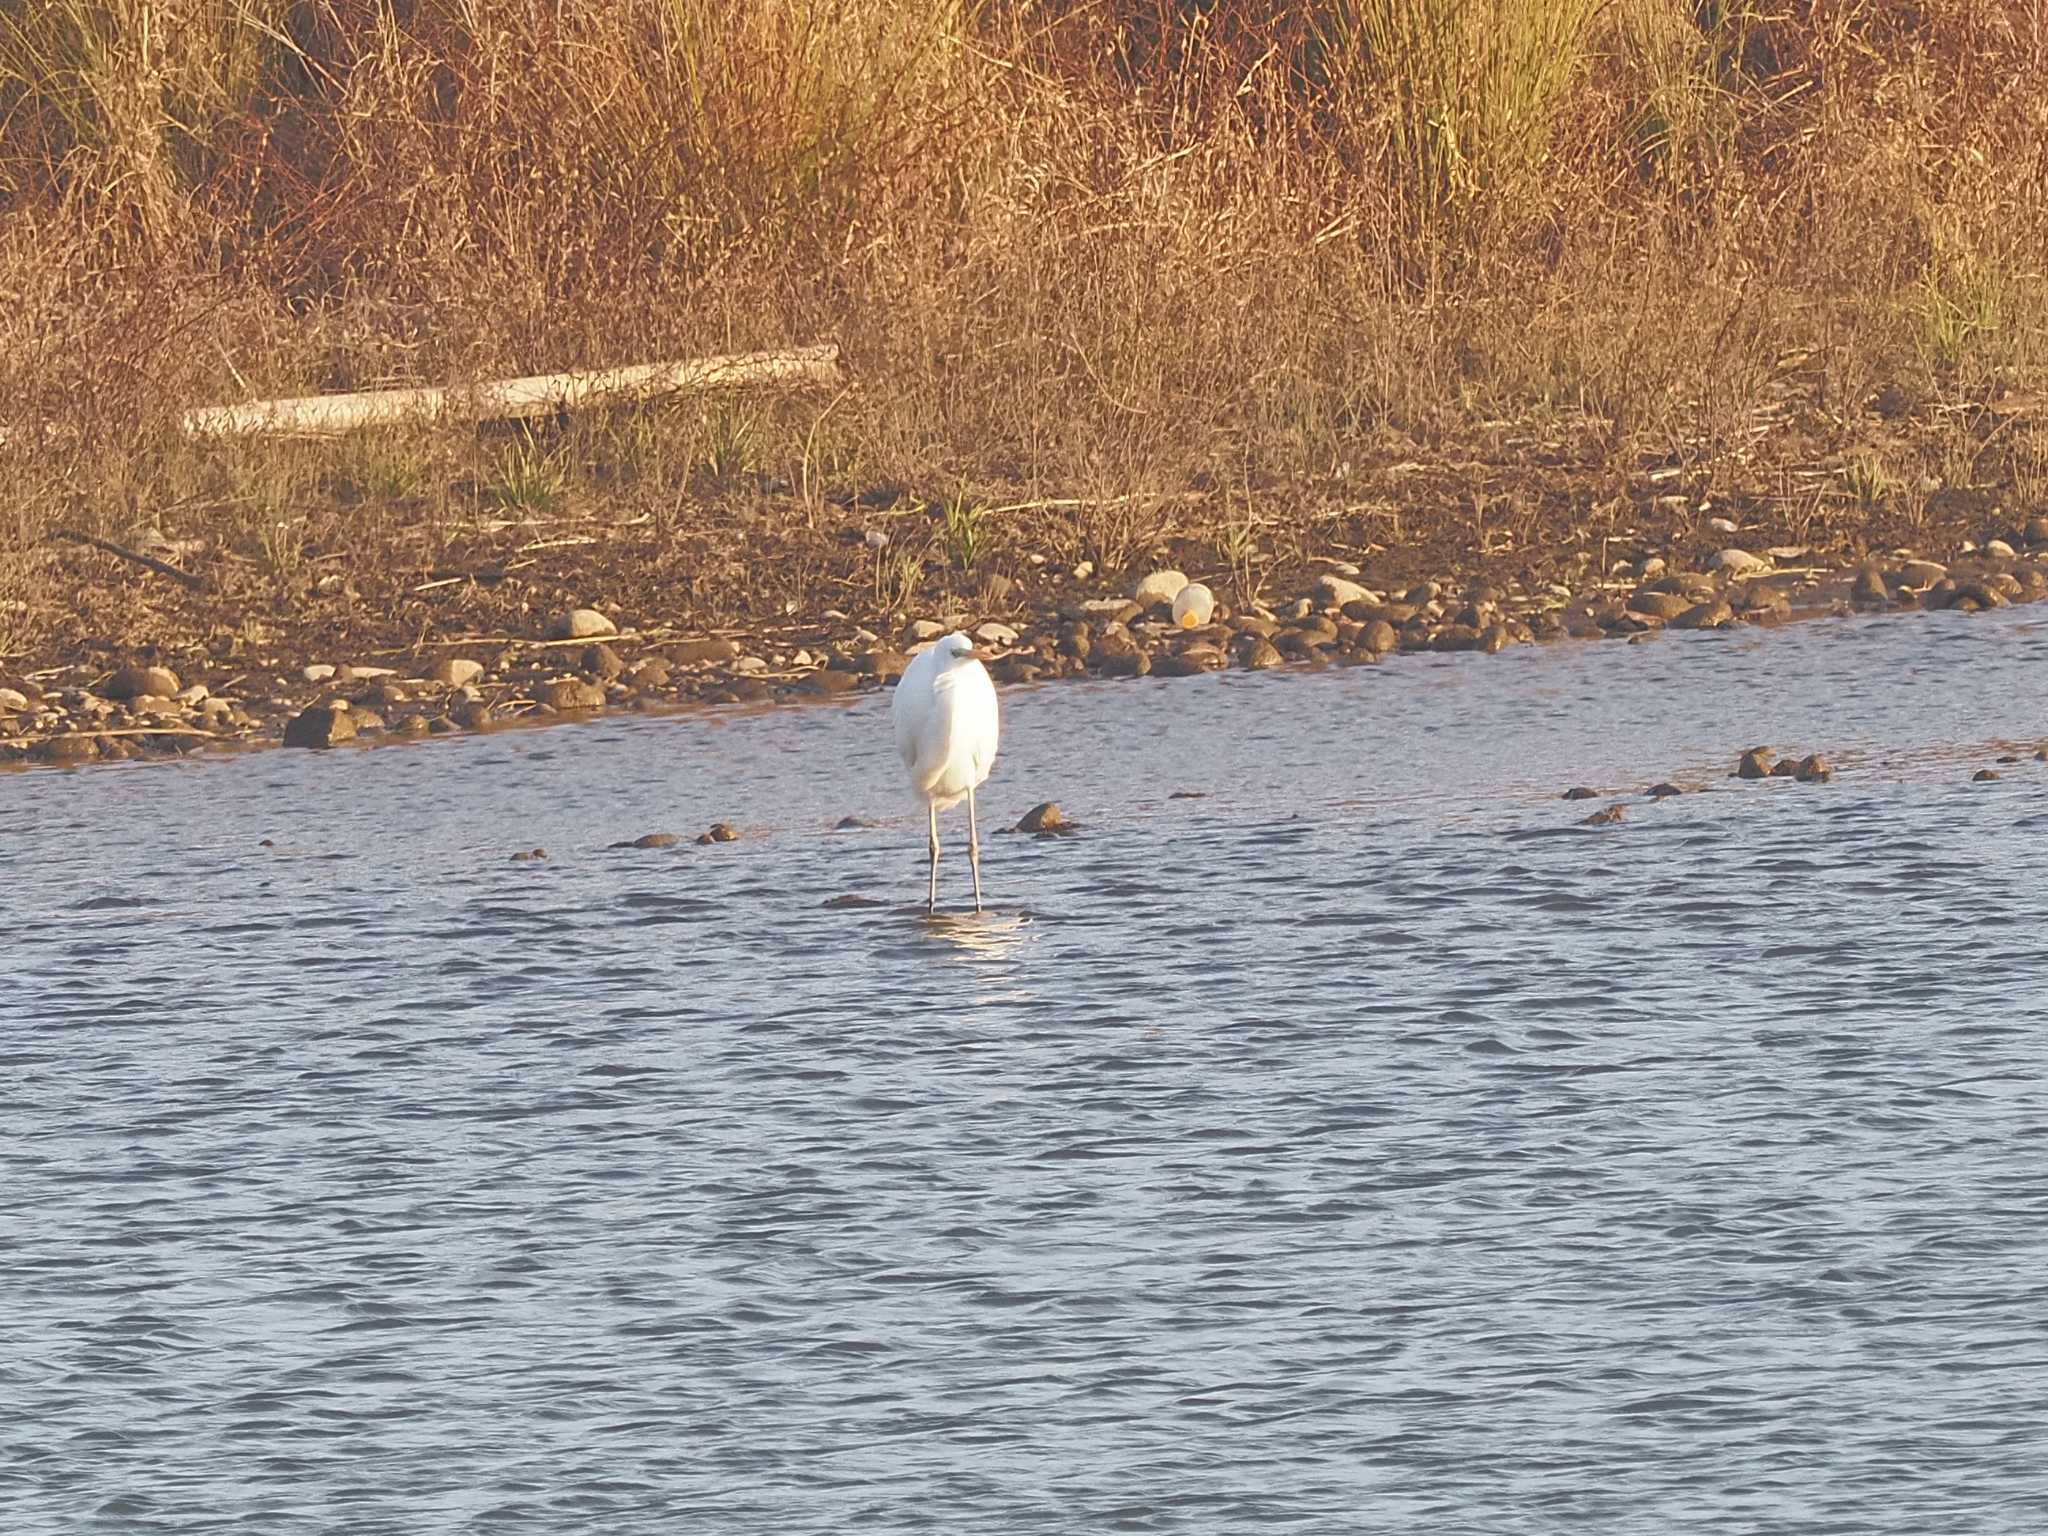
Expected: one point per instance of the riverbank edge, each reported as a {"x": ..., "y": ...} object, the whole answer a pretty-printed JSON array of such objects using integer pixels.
[{"x": 583, "y": 666}]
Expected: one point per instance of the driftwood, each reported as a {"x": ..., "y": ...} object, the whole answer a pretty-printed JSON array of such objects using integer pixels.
[
  {"x": 510, "y": 399},
  {"x": 196, "y": 583}
]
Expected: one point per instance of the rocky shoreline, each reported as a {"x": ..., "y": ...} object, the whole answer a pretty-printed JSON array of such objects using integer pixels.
[{"x": 583, "y": 663}]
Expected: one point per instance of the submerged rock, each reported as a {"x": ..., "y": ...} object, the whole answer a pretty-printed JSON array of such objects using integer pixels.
[
  {"x": 721, "y": 832},
  {"x": 650, "y": 840},
  {"x": 1044, "y": 819},
  {"x": 1756, "y": 763},
  {"x": 1814, "y": 769},
  {"x": 1613, "y": 815}
]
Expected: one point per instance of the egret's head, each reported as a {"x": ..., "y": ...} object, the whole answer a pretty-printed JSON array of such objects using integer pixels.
[{"x": 957, "y": 650}]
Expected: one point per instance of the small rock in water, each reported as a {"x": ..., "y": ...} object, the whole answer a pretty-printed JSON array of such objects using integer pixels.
[
  {"x": 851, "y": 824},
  {"x": 1607, "y": 818},
  {"x": 721, "y": 832},
  {"x": 581, "y": 624},
  {"x": 1984, "y": 774},
  {"x": 323, "y": 725},
  {"x": 1756, "y": 763},
  {"x": 650, "y": 840},
  {"x": 1159, "y": 589},
  {"x": 1194, "y": 606},
  {"x": 1814, "y": 769},
  {"x": 1663, "y": 791},
  {"x": 1044, "y": 818},
  {"x": 1784, "y": 769},
  {"x": 529, "y": 855},
  {"x": 1582, "y": 793}
]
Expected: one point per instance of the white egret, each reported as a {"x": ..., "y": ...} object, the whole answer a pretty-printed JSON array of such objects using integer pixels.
[{"x": 944, "y": 713}]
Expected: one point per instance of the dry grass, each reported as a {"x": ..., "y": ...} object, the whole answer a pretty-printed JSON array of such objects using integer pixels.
[{"x": 1155, "y": 271}]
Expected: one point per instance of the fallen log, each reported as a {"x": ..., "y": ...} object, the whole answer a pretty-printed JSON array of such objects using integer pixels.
[{"x": 513, "y": 399}]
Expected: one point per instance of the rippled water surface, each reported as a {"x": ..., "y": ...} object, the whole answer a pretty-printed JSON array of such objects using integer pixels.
[{"x": 1333, "y": 1136}]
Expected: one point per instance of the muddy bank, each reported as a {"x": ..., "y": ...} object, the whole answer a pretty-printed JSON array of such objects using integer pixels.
[{"x": 324, "y": 686}]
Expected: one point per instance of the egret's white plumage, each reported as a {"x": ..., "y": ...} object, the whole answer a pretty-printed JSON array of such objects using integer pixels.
[{"x": 944, "y": 713}]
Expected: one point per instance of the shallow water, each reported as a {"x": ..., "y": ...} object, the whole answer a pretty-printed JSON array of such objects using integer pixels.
[{"x": 1361, "y": 1145}]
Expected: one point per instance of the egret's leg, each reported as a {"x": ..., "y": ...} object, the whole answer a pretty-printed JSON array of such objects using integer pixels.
[
  {"x": 931, "y": 900},
  {"x": 974, "y": 850}
]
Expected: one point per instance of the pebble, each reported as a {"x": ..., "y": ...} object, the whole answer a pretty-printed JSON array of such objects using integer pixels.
[
  {"x": 692, "y": 653},
  {"x": 1659, "y": 605},
  {"x": 1334, "y": 592},
  {"x": 830, "y": 681},
  {"x": 1983, "y": 775},
  {"x": 1737, "y": 562},
  {"x": 134, "y": 682},
  {"x": 1159, "y": 589},
  {"x": 1663, "y": 791},
  {"x": 748, "y": 665},
  {"x": 1921, "y": 574},
  {"x": 12, "y": 701},
  {"x": 323, "y": 725},
  {"x": 1716, "y": 614},
  {"x": 720, "y": 832},
  {"x": 581, "y": 624},
  {"x": 71, "y": 747},
  {"x": 650, "y": 672},
  {"x": 1998, "y": 549},
  {"x": 1378, "y": 638},
  {"x": 1581, "y": 792},
  {"x": 529, "y": 855},
  {"x": 1259, "y": 655},
  {"x": 993, "y": 633},
  {"x": 572, "y": 693},
  {"x": 600, "y": 661}
]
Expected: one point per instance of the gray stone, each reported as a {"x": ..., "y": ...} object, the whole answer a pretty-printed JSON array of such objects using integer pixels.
[
  {"x": 1159, "y": 589},
  {"x": 1335, "y": 592},
  {"x": 1737, "y": 562},
  {"x": 581, "y": 624}
]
